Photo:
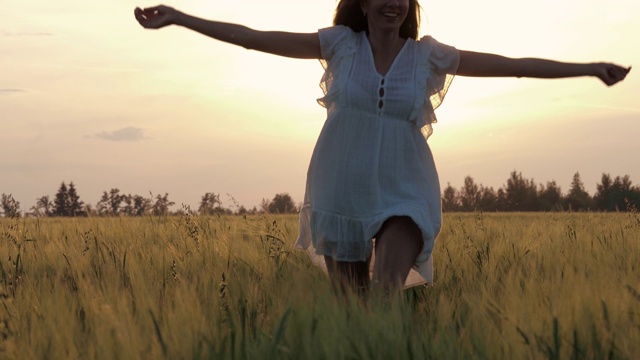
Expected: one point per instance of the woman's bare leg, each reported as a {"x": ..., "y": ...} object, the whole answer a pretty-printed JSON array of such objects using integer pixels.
[
  {"x": 349, "y": 276},
  {"x": 398, "y": 244}
]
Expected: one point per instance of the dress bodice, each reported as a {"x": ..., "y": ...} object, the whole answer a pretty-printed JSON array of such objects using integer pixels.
[
  {"x": 411, "y": 90},
  {"x": 392, "y": 96}
]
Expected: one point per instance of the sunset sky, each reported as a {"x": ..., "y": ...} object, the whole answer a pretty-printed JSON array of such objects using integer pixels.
[{"x": 87, "y": 95}]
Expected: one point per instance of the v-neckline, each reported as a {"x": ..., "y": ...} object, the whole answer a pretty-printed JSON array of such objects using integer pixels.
[{"x": 373, "y": 59}]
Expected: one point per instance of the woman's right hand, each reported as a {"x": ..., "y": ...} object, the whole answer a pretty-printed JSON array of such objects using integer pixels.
[
  {"x": 156, "y": 17},
  {"x": 293, "y": 45}
]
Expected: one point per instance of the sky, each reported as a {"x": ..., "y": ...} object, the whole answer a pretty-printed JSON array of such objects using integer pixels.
[{"x": 87, "y": 95}]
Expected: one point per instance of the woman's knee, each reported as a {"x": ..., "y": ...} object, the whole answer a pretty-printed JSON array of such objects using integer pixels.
[{"x": 402, "y": 227}]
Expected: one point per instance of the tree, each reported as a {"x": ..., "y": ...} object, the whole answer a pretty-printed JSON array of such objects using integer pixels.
[
  {"x": 242, "y": 210},
  {"x": 264, "y": 206},
  {"x": 109, "y": 204},
  {"x": 578, "y": 199},
  {"x": 89, "y": 210},
  {"x": 44, "y": 206},
  {"x": 10, "y": 207},
  {"x": 135, "y": 205},
  {"x": 550, "y": 197},
  {"x": 210, "y": 204},
  {"x": 141, "y": 205},
  {"x": 282, "y": 204},
  {"x": 161, "y": 206},
  {"x": 603, "y": 199},
  {"x": 470, "y": 195},
  {"x": 450, "y": 199},
  {"x": 521, "y": 194},
  {"x": 127, "y": 208},
  {"x": 489, "y": 200},
  {"x": 61, "y": 202},
  {"x": 615, "y": 195},
  {"x": 76, "y": 207}
]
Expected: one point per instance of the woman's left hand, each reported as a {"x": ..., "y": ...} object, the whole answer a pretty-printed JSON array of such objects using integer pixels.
[{"x": 610, "y": 73}]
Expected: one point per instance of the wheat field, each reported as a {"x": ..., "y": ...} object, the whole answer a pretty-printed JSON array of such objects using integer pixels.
[{"x": 507, "y": 286}]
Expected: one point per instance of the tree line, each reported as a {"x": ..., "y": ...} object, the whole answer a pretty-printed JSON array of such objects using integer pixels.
[
  {"x": 67, "y": 203},
  {"x": 522, "y": 194},
  {"x": 518, "y": 194}
]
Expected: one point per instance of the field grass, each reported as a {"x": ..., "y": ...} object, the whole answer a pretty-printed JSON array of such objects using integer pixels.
[{"x": 507, "y": 286}]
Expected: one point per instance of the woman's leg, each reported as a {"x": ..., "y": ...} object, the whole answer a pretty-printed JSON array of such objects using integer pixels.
[
  {"x": 349, "y": 276},
  {"x": 398, "y": 244}
]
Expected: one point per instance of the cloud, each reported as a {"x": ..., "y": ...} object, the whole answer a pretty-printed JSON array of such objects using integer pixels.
[
  {"x": 10, "y": 90},
  {"x": 129, "y": 133}
]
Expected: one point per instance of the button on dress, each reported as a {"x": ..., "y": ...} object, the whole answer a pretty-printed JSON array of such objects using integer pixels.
[{"x": 372, "y": 160}]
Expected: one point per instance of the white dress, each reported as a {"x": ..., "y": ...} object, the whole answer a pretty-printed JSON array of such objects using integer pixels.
[{"x": 372, "y": 161}]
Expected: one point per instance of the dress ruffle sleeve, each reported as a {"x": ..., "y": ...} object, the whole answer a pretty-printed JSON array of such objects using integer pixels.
[
  {"x": 438, "y": 64},
  {"x": 338, "y": 46}
]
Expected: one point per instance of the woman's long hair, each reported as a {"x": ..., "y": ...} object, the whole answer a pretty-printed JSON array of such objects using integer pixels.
[{"x": 349, "y": 13}]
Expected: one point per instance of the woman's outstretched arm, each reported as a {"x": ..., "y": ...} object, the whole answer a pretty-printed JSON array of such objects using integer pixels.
[
  {"x": 294, "y": 45},
  {"x": 482, "y": 64}
]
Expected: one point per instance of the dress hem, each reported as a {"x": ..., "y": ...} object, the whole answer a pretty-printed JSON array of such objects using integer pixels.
[{"x": 361, "y": 231}]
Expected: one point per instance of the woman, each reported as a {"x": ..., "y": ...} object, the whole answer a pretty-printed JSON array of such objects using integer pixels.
[{"x": 372, "y": 175}]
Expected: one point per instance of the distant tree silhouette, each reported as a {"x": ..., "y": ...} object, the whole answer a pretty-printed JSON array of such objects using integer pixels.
[
  {"x": 109, "y": 204},
  {"x": 611, "y": 194},
  {"x": 127, "y": 208},
  {"x": 550, "y": 197},
  {"x": 489, "y": 200},
  {"x": 502, "y": 199},
  {"x": 130, "y": 205},
  {"x": 470, "y": 195},
  {"x": 161, "y": 205},
  {"x": 520, "y": 194},
  {"x": 10, "y": 207},
  {"x": 264, "y": 205},
  {"x": 631, "y": 194},
  {"x": 281, "y": 204},
  {"x": 624, "y": 190},
  {"x": 450, "y": 199},
  {"x": 242, "y": 210},
  {"x": 89, "y": 210},
  {"x": 44, "y": 206},
  {"x": 210, "y": 204},
  {"x": 75, "y": 205},
  {"x": 141, "y": 205},
  {"x": 604, "y": 198},
  {"x": 578, "y": 198},
  {"x": 61, "y": 203}
]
